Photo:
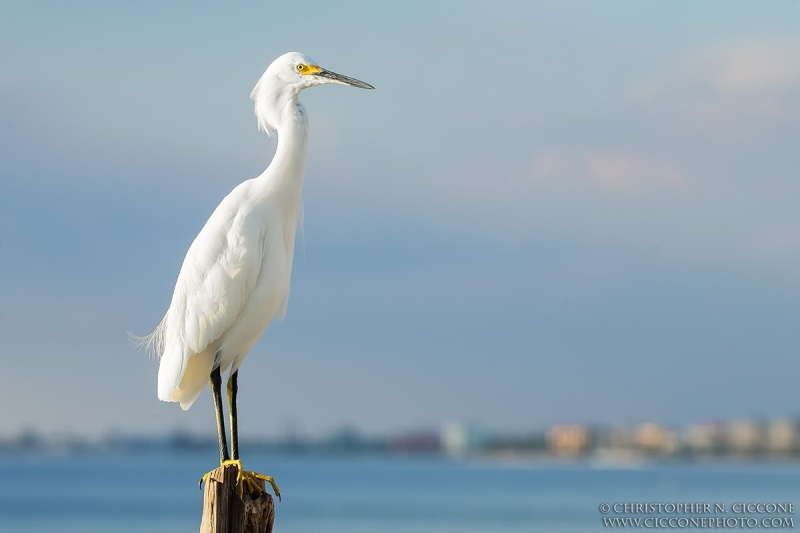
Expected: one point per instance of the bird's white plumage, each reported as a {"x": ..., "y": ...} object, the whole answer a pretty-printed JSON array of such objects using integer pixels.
[{"x": 235, "y": 277}]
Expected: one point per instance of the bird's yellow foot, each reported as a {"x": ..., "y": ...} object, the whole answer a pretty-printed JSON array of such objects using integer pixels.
[{"x": 246, "y": 479}]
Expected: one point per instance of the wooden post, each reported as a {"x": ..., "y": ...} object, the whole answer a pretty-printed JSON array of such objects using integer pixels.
[{"x": 225, "y": 512}]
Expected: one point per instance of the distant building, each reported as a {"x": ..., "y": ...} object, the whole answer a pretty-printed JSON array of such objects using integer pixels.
[
  {"x": 782, "y": 437},
  {"x": 458, "y": 439},
  {"x": 419, "y": 442},
  {"x": 745, "y": 437},
  {"x": 706, "y": 438},
  {"x": 569, "y": 439},
  {"x": 655, "y": 439},
  {"x": 525, "y": 444}
]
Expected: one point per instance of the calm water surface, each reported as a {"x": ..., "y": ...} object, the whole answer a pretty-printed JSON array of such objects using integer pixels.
[{"x": 158, "y": 492}]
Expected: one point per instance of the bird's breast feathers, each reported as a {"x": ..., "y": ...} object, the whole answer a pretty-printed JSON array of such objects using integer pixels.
[{"x": 240, "y": 260}]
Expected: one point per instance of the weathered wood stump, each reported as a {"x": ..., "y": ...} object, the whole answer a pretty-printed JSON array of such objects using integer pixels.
[{"x": 225, "y": 512}]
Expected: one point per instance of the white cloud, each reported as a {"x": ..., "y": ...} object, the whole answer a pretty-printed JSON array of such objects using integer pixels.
[
  {"x": 728, "y": 91},
  {"x": 608, "y": 169},
  {"x": 730, "y": 68},
  {"x": 753, "y": 67}
]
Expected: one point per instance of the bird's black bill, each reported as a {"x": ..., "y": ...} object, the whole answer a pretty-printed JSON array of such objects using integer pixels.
[{"x": 346, "y": 80}]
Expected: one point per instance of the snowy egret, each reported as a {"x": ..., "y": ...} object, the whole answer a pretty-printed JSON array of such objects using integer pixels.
[{"x": 235, "y": 277}]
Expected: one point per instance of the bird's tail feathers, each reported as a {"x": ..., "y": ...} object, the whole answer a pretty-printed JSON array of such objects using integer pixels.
[
  {"x": 181, "y": 378},
  {"x": 152, "y": 344}
]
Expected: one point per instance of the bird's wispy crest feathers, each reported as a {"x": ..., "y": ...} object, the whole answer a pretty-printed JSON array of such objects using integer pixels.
[{"x": 263, "y": 102}]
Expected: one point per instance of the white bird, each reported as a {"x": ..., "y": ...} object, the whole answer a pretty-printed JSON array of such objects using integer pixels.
[{"x": 235, "y": 277}]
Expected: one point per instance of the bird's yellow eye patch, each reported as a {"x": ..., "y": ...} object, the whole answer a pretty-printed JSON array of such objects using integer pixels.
[{"x": 306, "y": 70}]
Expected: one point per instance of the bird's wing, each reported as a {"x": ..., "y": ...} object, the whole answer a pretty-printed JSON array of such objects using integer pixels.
[{"x": 218, "y": 275}]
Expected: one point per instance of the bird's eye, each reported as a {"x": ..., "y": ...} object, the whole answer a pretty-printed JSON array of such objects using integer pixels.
[{"x": 301, "y": 67}]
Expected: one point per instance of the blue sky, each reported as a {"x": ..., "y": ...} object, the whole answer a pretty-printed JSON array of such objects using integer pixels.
[{"x": 556, "y": 211}]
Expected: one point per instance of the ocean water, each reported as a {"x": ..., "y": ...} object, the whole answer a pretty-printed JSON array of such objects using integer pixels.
[{"x": 158, "y": 492}]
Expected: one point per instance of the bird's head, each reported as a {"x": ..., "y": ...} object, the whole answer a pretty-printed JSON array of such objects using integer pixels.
[
  {"x": 299, "y": 71},
  {"x": 288, "y": 75}
]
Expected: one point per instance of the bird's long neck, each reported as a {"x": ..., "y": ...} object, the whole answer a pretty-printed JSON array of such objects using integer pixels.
[{"x": 285, "y": 174}]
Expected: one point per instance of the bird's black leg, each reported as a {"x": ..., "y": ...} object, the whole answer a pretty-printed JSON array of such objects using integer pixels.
[
  {"x": 245, "y": 479},
  {"x": 233, "y": 389},
  {"x": 216, "y": 390}
]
